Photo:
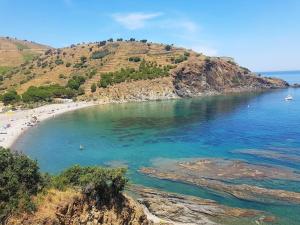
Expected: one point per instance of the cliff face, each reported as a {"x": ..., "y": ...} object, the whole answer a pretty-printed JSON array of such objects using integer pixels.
[{"x": 215, "y": 76}]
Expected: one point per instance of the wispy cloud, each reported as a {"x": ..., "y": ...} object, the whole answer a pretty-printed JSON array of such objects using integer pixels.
[
  {"x": 133, "y": 21},
  {"x": 179, "y": 29}
]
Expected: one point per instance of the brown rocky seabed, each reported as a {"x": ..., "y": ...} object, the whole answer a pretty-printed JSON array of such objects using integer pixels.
[{"x": 212, "y": 173}]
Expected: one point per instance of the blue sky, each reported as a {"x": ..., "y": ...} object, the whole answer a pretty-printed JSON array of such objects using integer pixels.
[{"x": 260, "y": 34}]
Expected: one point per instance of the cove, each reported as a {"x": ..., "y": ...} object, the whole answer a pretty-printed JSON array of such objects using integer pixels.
[{"x": 140, "y": 134}]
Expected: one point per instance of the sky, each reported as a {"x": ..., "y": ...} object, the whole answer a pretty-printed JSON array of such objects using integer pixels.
[{"x": 263, "y": 35}]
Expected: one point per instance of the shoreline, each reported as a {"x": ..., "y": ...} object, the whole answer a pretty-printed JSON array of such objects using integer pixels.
[
  {"x": 14, "y": 123},
  {"x": 18, "y": 120}
]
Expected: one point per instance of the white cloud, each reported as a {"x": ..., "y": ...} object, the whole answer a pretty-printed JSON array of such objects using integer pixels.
[{"x": 133, "y": 21}]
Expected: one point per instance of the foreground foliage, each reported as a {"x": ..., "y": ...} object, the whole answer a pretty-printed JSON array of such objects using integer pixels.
[{"x": 21, "y": 180}]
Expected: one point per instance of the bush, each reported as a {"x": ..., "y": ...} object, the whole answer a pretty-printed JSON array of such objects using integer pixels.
[
  {"x": 101, "y": 43},
  {"x": 143, "y": 41},
  {"x": 83, "y": 59},
  {"x": 75, "y": 82},
  {"x": 59, "y": 62},
  {"x": 187, "y": 54},
  {"x": 179, "y": 59},
  {"x": 96, "y": 182},
  {"x": 93, "y": 87},
  {"x": 132, "y": 39},
  {"x": 10, "y": 97},
  {"x": 120, "y": 39},
  {"x": 100, "y": 54},
  {"x": 110, "y": 40},
  {"x": 134, "y": 59},
  {"x": 19, "y": 179},
  {"x": 47, "y": 93},
  {"x": 61, "y": 76},
  {"x": 168, "y": 47}
]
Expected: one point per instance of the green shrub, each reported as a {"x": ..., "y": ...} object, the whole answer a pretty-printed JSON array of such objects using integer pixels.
[
  {"x": 96, "y": 182},
  {"x": 83, "y": 59},
  {"x": 59, "y": 62},
  {"x": 100, "y": 54},
  {"x": 10, "y": 97},
  {"x": 19, "y": 179},
  {"x": 68, "y": 64},
  {"x": 143, "y": 41},
  {"x": 47, "y": 93},
  {"x": 180, "y": 59},
  {"x": 168, "y": 47},
  {"x": 187, "y": 54},
  {"x": 134, "y": 59},
  {"x": 75, "y": 82},
  {"x": 93, "y": 87},
  {"x": 61, "y": 76}
]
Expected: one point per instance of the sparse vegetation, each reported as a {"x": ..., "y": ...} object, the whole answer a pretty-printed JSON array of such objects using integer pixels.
[
  {"x": 4, "y": 70},
  {"x": 147, "y": 70},
  {"x": 100, "y": 54},
  {"x": 93, "y": 87},
  {"x": 179, "y": 59},
  {"x": 59, "y": 62},
  {"x": 68, "y": 64},
  {"x": 168, "y": 47},
  {"x": 134, "y": 59}
]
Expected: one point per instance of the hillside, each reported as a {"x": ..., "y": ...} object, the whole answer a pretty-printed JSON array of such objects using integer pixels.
[
  {"x": 14, "y": 52},
  {"x": 133, "y": 71}
]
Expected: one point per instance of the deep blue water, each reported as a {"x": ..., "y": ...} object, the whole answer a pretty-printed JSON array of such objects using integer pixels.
[{"x": 138, "y": 134}]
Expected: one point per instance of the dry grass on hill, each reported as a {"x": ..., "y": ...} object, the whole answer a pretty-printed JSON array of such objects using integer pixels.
[
  {"x": 14, "y": 52},
  {"x": 57, "y": 66}
]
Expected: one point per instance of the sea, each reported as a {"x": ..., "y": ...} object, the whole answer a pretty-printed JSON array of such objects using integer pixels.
[{"x": 136, "y": 135}]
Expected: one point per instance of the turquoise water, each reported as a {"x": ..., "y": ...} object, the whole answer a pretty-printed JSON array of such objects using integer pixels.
[{"x": 139, "y": 134}]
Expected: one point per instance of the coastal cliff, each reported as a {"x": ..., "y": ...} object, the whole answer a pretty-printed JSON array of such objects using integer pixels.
[{"x": 214, "y": 76}]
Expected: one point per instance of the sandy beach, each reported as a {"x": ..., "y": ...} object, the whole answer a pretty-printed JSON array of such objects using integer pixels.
[{"x": 14, "y": 123}]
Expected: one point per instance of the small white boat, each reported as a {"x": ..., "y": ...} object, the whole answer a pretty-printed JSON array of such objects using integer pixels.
[
  {"x": 289, "y": 98},
  {"x": 81, "y": 147}
]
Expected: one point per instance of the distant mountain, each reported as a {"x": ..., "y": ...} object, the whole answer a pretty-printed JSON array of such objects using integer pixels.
[{"x": 117, "y": 71}]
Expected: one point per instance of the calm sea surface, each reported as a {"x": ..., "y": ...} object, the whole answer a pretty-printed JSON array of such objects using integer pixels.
[{"x": 138, "y": 134}]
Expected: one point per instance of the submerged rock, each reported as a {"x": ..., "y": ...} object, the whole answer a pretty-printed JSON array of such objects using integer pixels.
[{"x": 213, "y": 174}]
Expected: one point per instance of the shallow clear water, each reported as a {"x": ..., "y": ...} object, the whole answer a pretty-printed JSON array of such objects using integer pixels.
[{"x": 139, "y": 134}]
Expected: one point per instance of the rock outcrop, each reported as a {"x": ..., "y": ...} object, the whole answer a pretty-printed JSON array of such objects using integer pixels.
[
  {"x": 170, "y": 208},
  {"x": 214, "y": 76},
  {"x": 72, "y": 208}
]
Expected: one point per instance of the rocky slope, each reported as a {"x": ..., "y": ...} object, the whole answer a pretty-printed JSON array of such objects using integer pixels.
[
  {"x": 215, "y": 76},
  {"x": 71, "y": 208}
]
